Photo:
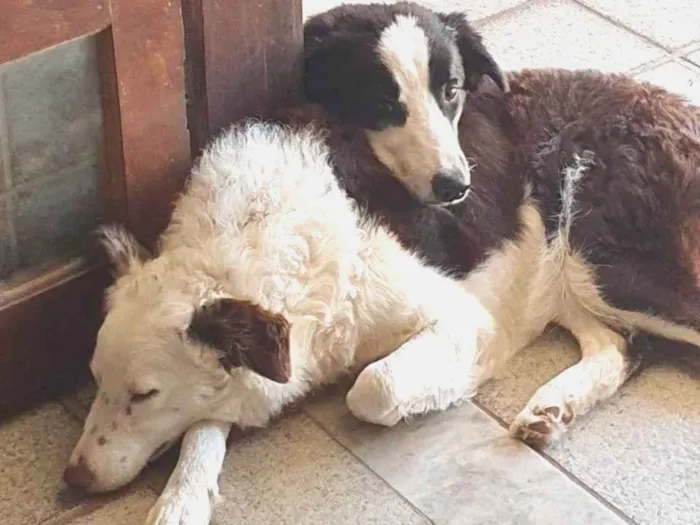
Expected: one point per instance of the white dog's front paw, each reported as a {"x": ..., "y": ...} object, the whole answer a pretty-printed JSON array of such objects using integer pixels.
[
  {"x": 372, "y": 399},
  {"x": 181, "y": 507}
]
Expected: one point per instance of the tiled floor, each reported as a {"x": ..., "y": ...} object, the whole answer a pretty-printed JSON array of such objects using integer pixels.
[{"x": 634, "y": 460}]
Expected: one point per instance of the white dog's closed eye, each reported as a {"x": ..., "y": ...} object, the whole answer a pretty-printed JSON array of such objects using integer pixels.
[{"x": 140, "y": 395}]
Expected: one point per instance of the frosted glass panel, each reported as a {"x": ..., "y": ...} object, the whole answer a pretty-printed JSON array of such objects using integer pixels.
[{"x": 50, "y": 146}]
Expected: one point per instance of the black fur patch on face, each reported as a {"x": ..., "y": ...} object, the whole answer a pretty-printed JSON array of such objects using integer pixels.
[
  {"x": 447, "y": 78},
  {"x": 343, "y": 71}
]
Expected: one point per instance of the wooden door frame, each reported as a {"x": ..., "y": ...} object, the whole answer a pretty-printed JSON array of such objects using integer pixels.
[
  {"x": 239, "y": 62},
  {"x": 48, "y": 324}
]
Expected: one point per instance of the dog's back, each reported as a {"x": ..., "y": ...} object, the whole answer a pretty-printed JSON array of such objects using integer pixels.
[
  {"x": 259, "y": 176},
  {"x": 634, "y": 204}
]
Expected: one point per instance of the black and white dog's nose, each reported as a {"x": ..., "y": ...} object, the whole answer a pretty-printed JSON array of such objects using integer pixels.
[{"x": 449, "y": 186}]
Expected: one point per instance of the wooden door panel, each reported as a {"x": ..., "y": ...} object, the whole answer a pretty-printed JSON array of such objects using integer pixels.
[
  {"x": 242, "y": 62},
  {"x": 47, "y": 333},
  {"x": 48, "y": 323},
  {"x": 146, "y": 135}
]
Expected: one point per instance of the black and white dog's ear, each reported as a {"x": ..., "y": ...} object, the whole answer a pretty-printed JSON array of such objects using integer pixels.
[
  {"x": 124, "y": 251},
  {"x": 329, "y": 71},
  {"x": 244, "y": 335},
  {"x": 476, "y": 59}
]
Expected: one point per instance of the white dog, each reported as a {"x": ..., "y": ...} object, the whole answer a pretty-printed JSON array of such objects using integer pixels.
[{"x": 269, "y": 283}]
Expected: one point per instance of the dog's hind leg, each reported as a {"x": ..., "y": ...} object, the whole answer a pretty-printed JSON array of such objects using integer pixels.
[
  {"x": 605, "y": 365},
  {"x": 193, "y": 486}
]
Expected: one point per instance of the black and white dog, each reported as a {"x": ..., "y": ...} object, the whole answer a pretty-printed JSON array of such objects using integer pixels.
[{"x": 421, "y": 224}]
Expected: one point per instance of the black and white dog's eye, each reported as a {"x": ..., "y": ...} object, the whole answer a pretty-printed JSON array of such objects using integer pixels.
[
  {"x": 138, "y": 397},
  {"x": 452, "y": 88}
]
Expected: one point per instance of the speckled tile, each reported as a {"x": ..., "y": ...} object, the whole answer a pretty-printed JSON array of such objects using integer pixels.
[
  {"x": 671, "y": 23},
  {"x": 33, "y": 450},
  {"x": 293, "y": 473},
  {"x": 563, "y": 34},
  {"x": 640, "y": 450},
  {"x": 475, "y": 9},
  {"x": 53, "y": 109},
  {"x": 128, "y": 510},
  {"x": 460, "y": 468},
  {"x": 677, "y": 78}
]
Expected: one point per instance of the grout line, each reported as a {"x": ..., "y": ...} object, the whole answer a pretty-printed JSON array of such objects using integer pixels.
[
  {"x": 7, "y": 176},
  {"x": 687, "y": 62},
  {"x": 621, "y": 25},
  {"x": 648, "y": 66},
  {"x": 687, "y": 49},
  {"x": 478, "y": 23},
  {"x": 359, "y": 460},
  {"x": 679, "y": 60},
  {"x": 603, "y": 501}
]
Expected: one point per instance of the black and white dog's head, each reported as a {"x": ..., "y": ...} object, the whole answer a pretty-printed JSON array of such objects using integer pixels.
[{"x": 401, "y": 72}]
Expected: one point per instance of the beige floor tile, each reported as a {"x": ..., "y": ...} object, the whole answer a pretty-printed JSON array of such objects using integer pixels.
[
  {"x": 475, "y": 9},
  {"x": 460, "y": 468},
  {"x": 128, "y": 510},
  {"x": 295, "y": 474},
  {"x": 671, "y": 23},
  {"x": 563, "y": 34},
  {"x": 676, "y": 78},
  {"x": 640, "y": 450},
  {"x": 33, "y": 450}
]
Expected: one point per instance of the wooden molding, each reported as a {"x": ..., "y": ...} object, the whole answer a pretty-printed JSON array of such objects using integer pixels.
[{"x": 28, "y": 26}]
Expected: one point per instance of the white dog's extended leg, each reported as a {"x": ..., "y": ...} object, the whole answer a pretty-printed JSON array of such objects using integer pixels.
[
  {"x": 431, "y": 371},
  {"x": 193, "y": 485},
  {"x": 604, "y": 367}
]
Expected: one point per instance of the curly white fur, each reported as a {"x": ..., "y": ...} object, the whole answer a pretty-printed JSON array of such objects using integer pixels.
[{"x": 264, "y": 220}]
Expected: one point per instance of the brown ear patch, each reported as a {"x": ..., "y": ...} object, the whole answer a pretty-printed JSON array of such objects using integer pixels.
[{"x": 245, "y": 335}]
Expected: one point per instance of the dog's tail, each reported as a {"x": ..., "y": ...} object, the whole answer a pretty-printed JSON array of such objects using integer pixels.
[{"x": 660, "y": 327}]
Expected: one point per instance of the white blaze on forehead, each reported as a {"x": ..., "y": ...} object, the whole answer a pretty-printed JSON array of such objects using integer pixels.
[
  {"x": 404, "y": 50},
  {"x": 428, "y": 142}
]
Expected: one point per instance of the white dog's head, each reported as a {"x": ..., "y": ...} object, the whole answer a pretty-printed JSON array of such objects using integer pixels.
[{"x": 172, "y": 348}]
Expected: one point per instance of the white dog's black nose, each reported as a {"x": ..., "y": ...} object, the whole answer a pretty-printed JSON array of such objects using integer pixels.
[
  {"x": 79, "y": 475},
  {"x": 449, "y": 186}
]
